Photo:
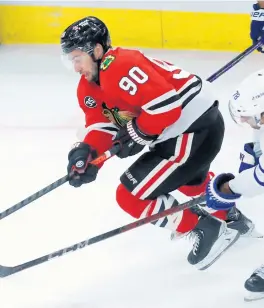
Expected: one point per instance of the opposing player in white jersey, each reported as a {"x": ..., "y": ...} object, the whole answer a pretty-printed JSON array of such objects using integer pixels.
[
  {"x": 257, "y": 24},
  {"x": 246, "y": 107}
]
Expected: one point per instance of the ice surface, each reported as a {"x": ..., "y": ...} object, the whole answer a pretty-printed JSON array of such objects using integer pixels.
[{"x": 138, "y": 269}]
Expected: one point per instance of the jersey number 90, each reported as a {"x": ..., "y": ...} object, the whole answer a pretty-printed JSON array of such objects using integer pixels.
[
  {"x": 136, "y": 75},
  {"x": 129, "y": 83}
]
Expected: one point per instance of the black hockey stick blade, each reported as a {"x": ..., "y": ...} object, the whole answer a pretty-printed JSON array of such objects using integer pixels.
[
  {"x": 7, "y": 271},
  {"x": 106, "y": 155}
]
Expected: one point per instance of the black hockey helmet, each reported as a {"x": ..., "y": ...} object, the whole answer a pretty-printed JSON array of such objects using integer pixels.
[{"x": 84, "y": 34}]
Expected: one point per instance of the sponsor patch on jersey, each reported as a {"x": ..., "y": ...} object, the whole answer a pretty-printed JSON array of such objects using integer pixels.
[
  {"x": 89, "y": 102},
  {"x": 107, "y": 61}
]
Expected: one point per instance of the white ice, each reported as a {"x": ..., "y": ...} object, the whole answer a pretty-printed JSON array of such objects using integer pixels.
[{"x": 138, "y": 269}]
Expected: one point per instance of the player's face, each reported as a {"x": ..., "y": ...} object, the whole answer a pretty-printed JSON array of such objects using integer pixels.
[
  {"x": 84, "y": 64},
  {"x": 251, "y": 121}
]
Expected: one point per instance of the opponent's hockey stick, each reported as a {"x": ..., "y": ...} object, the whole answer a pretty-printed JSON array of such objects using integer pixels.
[
  {"x": 106, "y": 155},
  {"x": 7, "y": 270},
  {"x": 64, "y": 179},
  {"x": 234, "y": 61}
]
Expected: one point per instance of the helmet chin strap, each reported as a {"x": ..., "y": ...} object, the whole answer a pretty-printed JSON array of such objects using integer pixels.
[
  {"x": 93, "y": 57},
  {"x": 98, "y": 62}
]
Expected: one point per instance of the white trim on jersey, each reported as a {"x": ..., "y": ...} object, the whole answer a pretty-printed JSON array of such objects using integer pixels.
[
  {"x": 108, "y": 128},
  {"x": 194, "y": 79},
  {"x": 168, "y": 101},
  {"x": 250, "y": 182},
  {"x": 173, "y": 98},
  {"x": 190, "y": 113}
]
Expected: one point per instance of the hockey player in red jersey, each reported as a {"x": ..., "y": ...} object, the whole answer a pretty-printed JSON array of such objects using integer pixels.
[{"x": 137, "y": 101}]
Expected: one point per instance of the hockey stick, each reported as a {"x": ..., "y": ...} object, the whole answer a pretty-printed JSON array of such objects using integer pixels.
[
  {"x": 7, "y": 270},
  {"x": 64, "y": 179},
  {"x": 106, "y": 155},
  {"x": 234, "y": 61}
]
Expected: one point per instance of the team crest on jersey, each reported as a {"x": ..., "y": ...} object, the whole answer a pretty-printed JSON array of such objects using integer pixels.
[
  {"x": 89, "y": 102},
  {"x": 107, "y": 61},
  {"x": 116, "y": 116}
]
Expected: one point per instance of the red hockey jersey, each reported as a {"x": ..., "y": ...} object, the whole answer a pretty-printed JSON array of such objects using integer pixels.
[{"x": 134, "y": 85}]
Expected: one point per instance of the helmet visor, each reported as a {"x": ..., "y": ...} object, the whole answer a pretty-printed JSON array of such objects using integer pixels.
[
  {"x": 242, "y": 119},
  {"x": 73, "y": 62}
]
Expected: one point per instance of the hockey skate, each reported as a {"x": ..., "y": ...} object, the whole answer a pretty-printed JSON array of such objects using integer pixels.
[
  {"x": 255, "y": 285},
  {"x": 212, "y": 238},
  {"x": 238, "y": 221}
]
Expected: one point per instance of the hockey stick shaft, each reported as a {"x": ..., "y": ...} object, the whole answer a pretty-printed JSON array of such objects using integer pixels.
[
  {"x": 106, "y": 155},
  {"x": 233, "y": 62},
  {"x": 64, "y": 179},
  {"x": 7, "y": 271}
]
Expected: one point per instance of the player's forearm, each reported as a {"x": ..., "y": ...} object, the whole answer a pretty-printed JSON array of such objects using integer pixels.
[{"x": 100, "y": 141}]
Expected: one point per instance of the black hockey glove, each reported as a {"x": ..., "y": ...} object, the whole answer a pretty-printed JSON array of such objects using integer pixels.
[
  {"x": 131, "y": 140},
  {"x": 79, "y": 170}
]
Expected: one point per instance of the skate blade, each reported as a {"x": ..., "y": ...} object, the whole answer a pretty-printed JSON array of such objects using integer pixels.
[
  {"x": 252, "y": 233},
  {"x": 219, "y": 248},
  {"x": 253, "y": 296}
]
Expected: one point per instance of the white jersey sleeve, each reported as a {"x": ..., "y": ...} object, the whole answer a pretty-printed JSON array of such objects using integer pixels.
[
  {"x": 250, "y": 182},
  {"x": 256, "y": 140}
]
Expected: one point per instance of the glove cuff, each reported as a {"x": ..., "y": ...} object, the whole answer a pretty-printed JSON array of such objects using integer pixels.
[
  {"x": 214, "y": 189},
  {"x": 138, "y": 136}
]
